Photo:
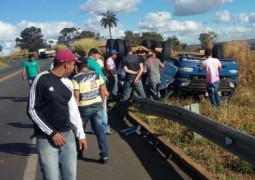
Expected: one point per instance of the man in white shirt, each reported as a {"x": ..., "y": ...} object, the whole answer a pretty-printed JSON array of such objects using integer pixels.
[
  {"x": 112, "y": 74},
  {"x": 212, "y": 66}
]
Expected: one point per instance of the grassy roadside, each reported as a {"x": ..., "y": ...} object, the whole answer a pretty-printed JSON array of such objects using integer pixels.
[{"x": 238, "y": 113}]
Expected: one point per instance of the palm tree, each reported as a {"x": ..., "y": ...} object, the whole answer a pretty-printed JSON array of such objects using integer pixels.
[{"x": 109, "y": 20}]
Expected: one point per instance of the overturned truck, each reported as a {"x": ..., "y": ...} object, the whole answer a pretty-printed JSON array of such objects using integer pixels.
[{"x": 181, "y": 76}]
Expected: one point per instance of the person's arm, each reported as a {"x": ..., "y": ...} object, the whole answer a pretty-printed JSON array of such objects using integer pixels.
[
  {"x": 219, "y": 66},
  {"x": 38, "y": 68},
  {"x": 162, "y": 65},
  {"x": 76, "y": 121},
  {"x": 201, "y": 66},
  {"x": 77, "y": 95},
  {"x": 23, "y": 73},
  {"x": 140, "y": 72},
  {"x": 75, "y": 117},
  {"x": 129, "y": 71},
  {"x": 37, "y": 90},
  {"x": 125, "y": 68},
  {"x": 103, "y": 91}
]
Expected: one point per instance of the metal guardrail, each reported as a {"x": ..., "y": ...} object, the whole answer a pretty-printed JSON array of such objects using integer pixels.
[{"x": 228, "y": 138}]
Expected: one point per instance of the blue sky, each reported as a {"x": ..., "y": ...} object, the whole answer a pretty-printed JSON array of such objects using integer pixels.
[{"x": 186, "y": 19}]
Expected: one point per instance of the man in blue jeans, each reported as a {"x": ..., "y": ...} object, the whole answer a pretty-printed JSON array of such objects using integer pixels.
[
  {"x": 152, "y": 67},
  {"x": 54, "y": 111},
  {"x": 89, "y": 92},
  {"x": 212, "y": 66},
  {"x": 94, "y": 65},
  {"x": 133, "y": 67}
]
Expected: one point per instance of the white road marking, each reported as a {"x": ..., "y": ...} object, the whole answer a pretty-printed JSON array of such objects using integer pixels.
[
  {"x": 30, "y": 170},
  {"x": 9, "y": 76}
]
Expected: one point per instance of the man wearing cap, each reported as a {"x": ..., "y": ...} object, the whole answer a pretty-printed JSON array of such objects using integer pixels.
[
  {"x": 89, "y": 92},
  {"x": 152, "y": 69},
  {"x": 93, "y": 65},
  {"x": 55, "y": 113},
  {"x": 112, "y": 74}
]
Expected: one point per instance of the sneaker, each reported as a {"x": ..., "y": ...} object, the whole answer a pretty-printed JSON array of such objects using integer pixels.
[
  {"x": 109, "y": 132},
  {"x": 103, "y": 160}
]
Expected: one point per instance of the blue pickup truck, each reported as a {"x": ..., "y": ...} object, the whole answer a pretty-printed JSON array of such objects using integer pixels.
[
  {"x": 187, "y": 79},
  {"x": 181, "y": 76}
]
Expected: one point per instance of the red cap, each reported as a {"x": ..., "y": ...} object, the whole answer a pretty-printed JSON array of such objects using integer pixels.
[{"x": 65, "y": 55}]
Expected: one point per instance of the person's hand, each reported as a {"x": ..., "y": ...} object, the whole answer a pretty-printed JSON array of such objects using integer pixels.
[
  {"x": 136, "y": 82},
  {"x": 59, "y": 139},
  {"x": 83, "y": 145},
  {"x": 23, "y": 78},
  {"x": 106, "y": 93}
]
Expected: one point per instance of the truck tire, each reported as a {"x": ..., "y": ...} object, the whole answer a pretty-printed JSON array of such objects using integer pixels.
[
  {"x": 166, "y": 51},
  {"x": 126, "y": 45},
  {"x": 155, "y": 44},
  {"x": 119, "y": 46},
  {"x": 147, "y": 43},
  {"x": 218, "y": 51},
  {"x": 109, "y": 46}
]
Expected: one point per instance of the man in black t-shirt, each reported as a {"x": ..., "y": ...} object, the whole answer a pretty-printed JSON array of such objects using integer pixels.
[{"x": 133, "y": 67}]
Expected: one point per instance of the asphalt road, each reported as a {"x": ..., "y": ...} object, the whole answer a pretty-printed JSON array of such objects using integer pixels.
[{"x": 131, "y": 157}]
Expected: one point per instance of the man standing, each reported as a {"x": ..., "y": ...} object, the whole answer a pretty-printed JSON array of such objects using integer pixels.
[
  {"x": 55, "y": 113},
  {"x": 94, "y": 55},
  {"x": 133, "y": 67},
  {"x": 152, "y": 71},
  {"x": 89, "y": 92},
  {"x": 112, "y": 74},
  {"x": 212, "y": 67},
  {"x": 30, "y": 69}
]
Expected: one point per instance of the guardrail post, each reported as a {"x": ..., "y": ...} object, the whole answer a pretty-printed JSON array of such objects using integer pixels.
[{"x": 194, "y": 108}]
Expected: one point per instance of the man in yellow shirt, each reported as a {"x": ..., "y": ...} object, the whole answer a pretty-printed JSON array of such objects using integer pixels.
[{"x": 89, "y": 92}]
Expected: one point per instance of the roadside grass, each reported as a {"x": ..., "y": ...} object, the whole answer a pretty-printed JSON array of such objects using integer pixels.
[
  {"x": 86, "y": 44},
  {"x": 238, "y": 112}
]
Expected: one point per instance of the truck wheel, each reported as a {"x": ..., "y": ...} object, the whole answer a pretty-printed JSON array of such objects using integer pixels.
[
  {"x": 119, "y": 46},
  {"x": 218, "y": 51},
  {"x": 166, "y": 51},
  {"x": 155, "y": 44},
  {"x": 109, "y": 46},
  {"x": 126, "y": 45},
  {"x": 147, "y": 43}
]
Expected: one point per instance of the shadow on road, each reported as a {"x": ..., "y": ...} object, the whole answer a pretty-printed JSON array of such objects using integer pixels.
[
  {"x": 22, "y": 149},
  {"x": 15, "y": 99},
  {"x": 20, "y": 125},
  {"x": 155, "y": 164}
]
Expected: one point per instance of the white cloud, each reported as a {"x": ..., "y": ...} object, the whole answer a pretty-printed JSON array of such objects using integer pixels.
[
  {"x": 161, "y": 22},
  {"x": 243, "y": 17},
  {"x": 9, "y": 32},
  {"x": 192, "y": 7},
  {"x": 99, "y": 6},
  {"x": 252, "y": 17},
  {"x": 234, "y": 33},
  {"x": 49, "y": 29},
  {"x": 223, "y": 16}
]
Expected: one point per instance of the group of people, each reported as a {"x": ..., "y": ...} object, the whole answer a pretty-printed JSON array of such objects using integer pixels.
[{"x": 61, "y": 105}]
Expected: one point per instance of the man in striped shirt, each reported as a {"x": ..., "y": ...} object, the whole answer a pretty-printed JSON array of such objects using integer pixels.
[{"x": 54, "y": 111}]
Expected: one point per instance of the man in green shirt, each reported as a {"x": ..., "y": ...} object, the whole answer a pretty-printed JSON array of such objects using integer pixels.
[{"x": 30, "y": 69}]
